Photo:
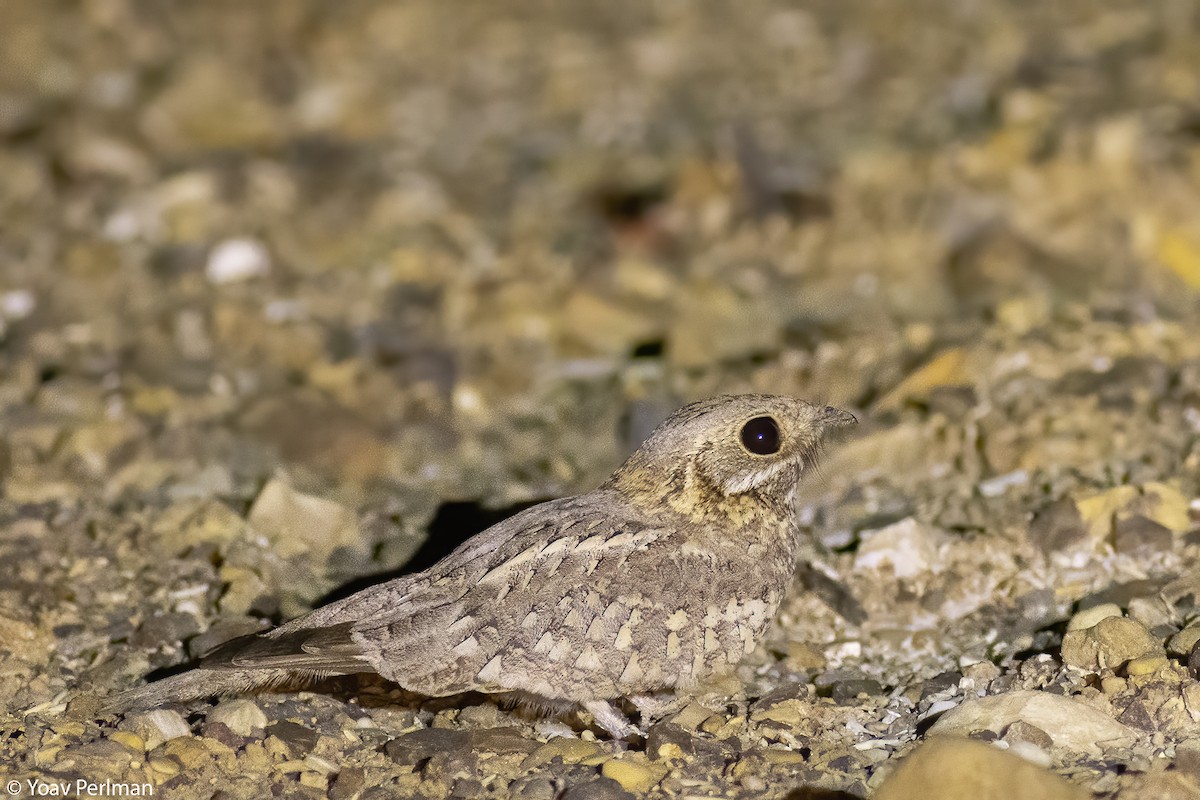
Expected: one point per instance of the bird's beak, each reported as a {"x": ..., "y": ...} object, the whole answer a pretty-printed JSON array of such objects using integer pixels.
[{"x": 836, "y": 418}]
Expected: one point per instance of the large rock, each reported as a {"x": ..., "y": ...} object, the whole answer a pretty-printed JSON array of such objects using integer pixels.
[
  {"x": 953, "y": 769},
  {"x": 1071, "y": 724}
]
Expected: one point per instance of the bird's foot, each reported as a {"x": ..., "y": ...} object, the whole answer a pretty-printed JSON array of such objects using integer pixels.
[{"x": 616, "y": 724}]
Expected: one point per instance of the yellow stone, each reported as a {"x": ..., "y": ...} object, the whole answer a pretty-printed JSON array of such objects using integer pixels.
[
  {"x": 164, "y": 766},
  {"x": 1098, "y": 510},
  {"x": 1146, "y": 665},
  {"x": 1166, "y": 505},
  {"x": 130, "y": 740},
  {"x": 314, "y": 780},
  {"x": 947, "y": 368},
  {"x": 634, "y": 773},
  {"x": 604, "y": 326},
  {"x": 571, "y": 751},
  {"x": 1180, "y": 253},
  {"x": 954, "y": 768},
  {"x": 671, "y": 752},
  {"x": 776, "y": 756}
]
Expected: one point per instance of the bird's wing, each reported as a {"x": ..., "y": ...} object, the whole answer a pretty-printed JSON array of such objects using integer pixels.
[
  {"x": 609, "y": 600},
  {"x": 323, "y": 640},
  {"x": 327, "y": 650}
]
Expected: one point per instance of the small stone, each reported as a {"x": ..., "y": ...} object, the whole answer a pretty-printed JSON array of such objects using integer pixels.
[
  {"x": 907, "y": 546},
  {"x": 1022, "y": 731},
  {"x": 157, "y": 726},
  {"x": 569, "y": 749},
  {"x": 803, "y": 657},
  {"x": 948, "y": 368},
  {"x": 130, "y": 740},
  {"x": 981, "y": 673},
  {"x": 847, "y": 692},
  {"x": 1098, "y": 511},
  {"x": 604, "y": 326},
  {"x": 1146, "y": 665},
  {"x": 502, "y": 741},
  {"x": 164, "y": 766},
  {"x": 633, "y": 773},
  {"x": 669, "y": 742},
  {"x": 1057, "y": 527},
  {"x": 1111, "y": 643},
  {"x": 533, "y": 787},
  {"x": 1140, "y": 534},
  {"x": 951, "y": 769},
  {"x": 236, "y": 260},
  {"x": 422, "y": 744},
  {"x": 243, "y": 717},
  {"x": 598, "y": 789},
  {"x": 1137, "y": 715},
  {"x": 788, "y": 713},
  {"x": 693, "y": 715},
  {"x": 1088, "y": 617},
  {"x": 1165, "y": 505},
  {"x": 298, "y": 739},
  {"x": 1182, "y": 643}
]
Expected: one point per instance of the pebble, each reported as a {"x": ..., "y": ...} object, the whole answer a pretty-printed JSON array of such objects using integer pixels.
[
  {"x": 633, "y": 772},
  {"x": 236, "y": 260},
  {"x": 1146, "y": 665},
  {"x": 1057, "y": 527},
  {"x": 243, "y": 717},
  {"x": 599, "y": 789},
  {"x": 157, "y": 726},
  {"x": 1111, "y": 643},
  {"x": 298, "y": 739},
  {"x": 953, "y": 769},
  {"x": 1088, "y": 617},
  {"x": 1182, "y": 643},
  {"x": 569, "y": 749},
  {"x": 1022, "y": 731},
  {"x": 907, "y": 546},
  {"x": 1140, "y": 534},
  {"x": 130, "y": 740}
]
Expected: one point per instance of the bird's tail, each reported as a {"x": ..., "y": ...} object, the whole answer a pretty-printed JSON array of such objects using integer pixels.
[
  {"x": 196, "y": 684},
  {"x": 255, "y": 661}
]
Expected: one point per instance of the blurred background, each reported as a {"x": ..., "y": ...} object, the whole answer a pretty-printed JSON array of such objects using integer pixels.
[{"x": 340, "y": 274}]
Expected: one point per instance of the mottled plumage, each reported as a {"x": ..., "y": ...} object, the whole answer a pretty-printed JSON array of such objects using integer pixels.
[{"x": 668, "y": 573}]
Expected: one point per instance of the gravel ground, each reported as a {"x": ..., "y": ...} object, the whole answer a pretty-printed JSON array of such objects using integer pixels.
[{"x": 296, "y": 294}]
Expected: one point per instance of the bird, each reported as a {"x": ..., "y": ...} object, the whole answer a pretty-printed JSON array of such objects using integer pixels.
[{"x": 664, "y": 576}]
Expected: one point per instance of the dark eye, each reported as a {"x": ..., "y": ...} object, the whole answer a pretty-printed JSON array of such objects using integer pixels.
[{"x": 761, "y": 436}]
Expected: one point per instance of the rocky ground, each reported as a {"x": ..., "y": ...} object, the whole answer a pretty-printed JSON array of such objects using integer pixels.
[{"x": 295, "y": 294}]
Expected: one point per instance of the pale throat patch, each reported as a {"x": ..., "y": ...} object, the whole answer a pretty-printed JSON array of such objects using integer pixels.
[{"x": 745, "y": 483}]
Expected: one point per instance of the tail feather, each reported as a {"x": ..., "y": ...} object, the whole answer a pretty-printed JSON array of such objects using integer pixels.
[
  {"x": 252, "y": 662},
  {"x": 193, "y": 685}
]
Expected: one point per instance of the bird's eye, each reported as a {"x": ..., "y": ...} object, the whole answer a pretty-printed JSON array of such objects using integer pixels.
[{"x": 761, "y": 436}]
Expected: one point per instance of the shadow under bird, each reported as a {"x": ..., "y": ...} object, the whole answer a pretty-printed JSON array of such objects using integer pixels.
[{"x": 667, "y": 574}]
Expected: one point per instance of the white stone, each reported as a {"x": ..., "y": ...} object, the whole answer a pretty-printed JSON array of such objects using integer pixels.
[
  {"x": 235, "y": 260},
  {"x": 907, "y": 546},
  {"x": 1070, "y": 723},
  {"x": 243, "y": 717},
  {"x": 17, "y": 304}
]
